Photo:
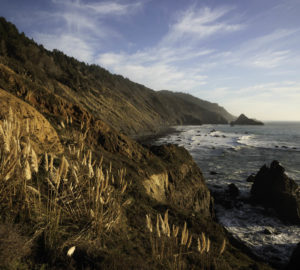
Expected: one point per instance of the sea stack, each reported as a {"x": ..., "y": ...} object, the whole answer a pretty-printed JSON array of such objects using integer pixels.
[
  {"x": 272, "y": 188},
  {"x": 244, "y": 120}
]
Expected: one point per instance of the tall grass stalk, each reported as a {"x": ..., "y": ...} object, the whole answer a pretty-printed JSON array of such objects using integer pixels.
[{"x": 62, "y": 196}]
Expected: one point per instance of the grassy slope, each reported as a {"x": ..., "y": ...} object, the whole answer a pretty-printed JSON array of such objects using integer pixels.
[
  {"x": 128, "y": 245},
  {"x": 136, "y": 107}
]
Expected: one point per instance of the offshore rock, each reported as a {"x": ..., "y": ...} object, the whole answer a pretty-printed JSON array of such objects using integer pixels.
[
  {"x": 251, "y": 178},
  {"x": 244, "y": 120},
  {"x": 272, "y": 188},
  {"x": 233, "y": 191}
]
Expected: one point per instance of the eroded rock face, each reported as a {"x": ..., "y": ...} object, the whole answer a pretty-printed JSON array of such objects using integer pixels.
[
  {"x": 185, "y": 185},
  {"x": 274, "y": 189}
]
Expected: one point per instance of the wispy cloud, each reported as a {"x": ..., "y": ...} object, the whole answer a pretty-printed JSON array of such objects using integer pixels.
[
  {"x": 151, "y": 72},
  {"x": 99, "y": 8},
  {"x": 82, "y": 26},
  {"x": 197, "y": 24},
  {"x": 68, "y": 43},
  {"x": 267, "y": 51},
  {"x": 269, "y": 59},
  {"x": 164, "y": 66}
]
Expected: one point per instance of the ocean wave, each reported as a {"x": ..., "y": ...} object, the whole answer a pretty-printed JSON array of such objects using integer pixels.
[
  {"x": 210, "y": 138},
  {"x": 258, "y": 142},
  {"x": 260, "y": 232}
]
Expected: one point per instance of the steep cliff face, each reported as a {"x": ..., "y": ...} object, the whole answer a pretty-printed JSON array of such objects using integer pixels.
[{"x": 136, "y": 108}]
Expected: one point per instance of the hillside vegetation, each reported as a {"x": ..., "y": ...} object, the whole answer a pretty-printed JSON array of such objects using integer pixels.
[
  {"x": 76, "y": 193},
  {"x": 107, "y": 205},
  {"x": 136, "y": 108}
]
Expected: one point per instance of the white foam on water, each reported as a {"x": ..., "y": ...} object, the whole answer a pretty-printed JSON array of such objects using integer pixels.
[
  {"x": 202, "y": 137},
  {"x": 267, "y": 236},
  {"x": 259, "y": 142},
  {"x": 220, "y": 149}
]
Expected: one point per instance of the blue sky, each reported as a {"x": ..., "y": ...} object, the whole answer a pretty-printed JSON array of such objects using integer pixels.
[{"x": 242, "y": 54}]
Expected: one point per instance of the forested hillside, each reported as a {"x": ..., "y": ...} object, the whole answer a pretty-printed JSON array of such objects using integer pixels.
[{"x": 136, "y": 108}]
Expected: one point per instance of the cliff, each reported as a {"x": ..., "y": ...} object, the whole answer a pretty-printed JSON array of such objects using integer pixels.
[
  {"x": 52, "y": 208},
  {"x": 136, "y": 108},
  {"x": 99, "y": 200}
]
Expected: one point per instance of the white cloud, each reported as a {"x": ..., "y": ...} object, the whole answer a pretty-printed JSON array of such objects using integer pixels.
[
  {"x": 109, "y": 8},
  {"x": 267, "y": 51},
  {"x": 158, "y": 75},
  {"x": 69, "y": 44},
  {"x": 99, "y": 8},
  {"x": 197, "y": 24},
  {"x": 269, "y": 59},
  {"x": 82, "y": 26},
  {"x": 158, "y": 68},
  {"x": 164, "y": 66}
]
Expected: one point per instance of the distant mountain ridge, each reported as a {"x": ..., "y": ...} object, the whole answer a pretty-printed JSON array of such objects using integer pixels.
[{"x": 127, "y": 106}]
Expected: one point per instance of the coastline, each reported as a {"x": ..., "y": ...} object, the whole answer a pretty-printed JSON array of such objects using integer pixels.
[
  {"x": 148, "y": 138},
  {"x": 225, "y": 149}
]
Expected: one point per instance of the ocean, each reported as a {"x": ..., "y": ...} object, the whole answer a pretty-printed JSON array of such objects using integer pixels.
[{"x": 228, "y": 155}]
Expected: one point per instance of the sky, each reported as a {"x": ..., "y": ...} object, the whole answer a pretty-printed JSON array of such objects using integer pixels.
[{"x": 242, "y": 54}]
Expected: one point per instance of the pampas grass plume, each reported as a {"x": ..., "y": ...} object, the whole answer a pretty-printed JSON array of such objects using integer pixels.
[
  {"x": 175, "y": 230},
  {"x": 46, "y": 162},
  {"x": 34, "y": 161},
  {"x": 223, "y": 246},
  {"x": 208, "y": 245},
  {"x": 71, "y": 251},
  {"x": 149, "y": 223},
  {"x": 157, "y": 226},
  {"x": 27, "y": 171}
]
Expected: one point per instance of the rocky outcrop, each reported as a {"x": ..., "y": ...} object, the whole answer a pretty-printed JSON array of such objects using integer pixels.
[
  {"x": 244, "y": 120},
  {"x": 183, "y": 183},
  {"x": 44, "y": 136},
  {"x": 294, "y": 263},
  {"x": 272, "y": 188}
]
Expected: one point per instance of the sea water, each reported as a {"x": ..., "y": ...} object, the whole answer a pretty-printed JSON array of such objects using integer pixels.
[{"x": 233, "y": 153}]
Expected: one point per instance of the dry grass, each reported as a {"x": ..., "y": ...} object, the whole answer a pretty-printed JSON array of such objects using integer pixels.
[
  {"x": 68, "y": 199},
  {"x": 170, "y": 249}
]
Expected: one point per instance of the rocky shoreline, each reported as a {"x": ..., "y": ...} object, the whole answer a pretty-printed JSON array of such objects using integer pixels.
[
  {"x": 277, "y": 193},
  {"x": 229, "y": 198},
  {"x": 88, "y": 208},
  {"x": 148, "y": 138}
]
